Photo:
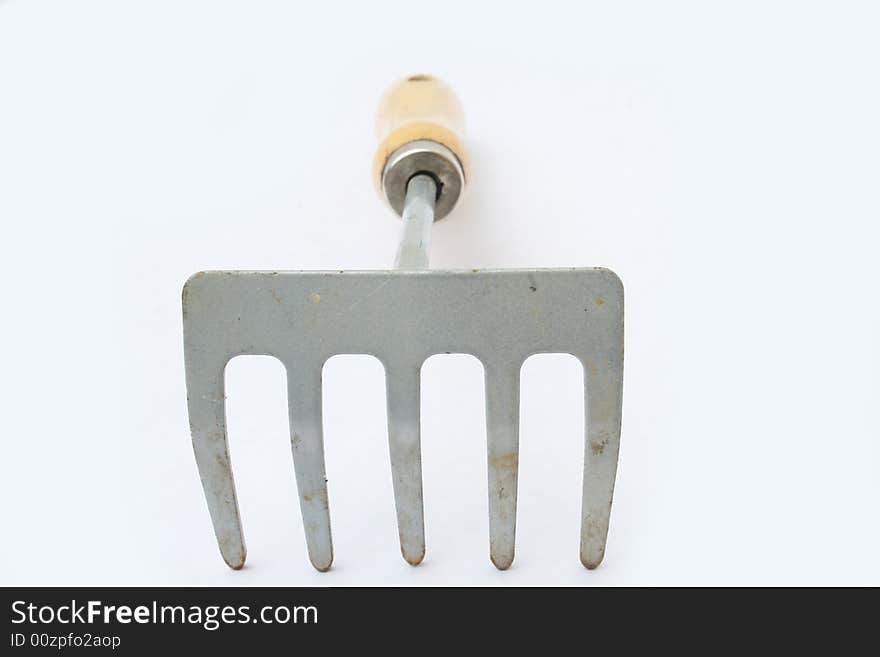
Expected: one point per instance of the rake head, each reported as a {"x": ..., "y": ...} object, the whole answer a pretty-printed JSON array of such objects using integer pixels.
[{"x": 403, "y": 317}]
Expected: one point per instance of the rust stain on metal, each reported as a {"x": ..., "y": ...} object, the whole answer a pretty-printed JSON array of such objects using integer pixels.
[
  {"x": 508, "y": 462},
  {"x": 599, "y": 443},
  {"x": 593, "y": 526},
  {"x": 501, "y": 562},
  {"x": 321, "y": 495},
  {"x": 229, "y": 540}
]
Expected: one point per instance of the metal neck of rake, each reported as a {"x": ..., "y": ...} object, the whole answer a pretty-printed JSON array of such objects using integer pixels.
[{"x": 418, "y": 215}]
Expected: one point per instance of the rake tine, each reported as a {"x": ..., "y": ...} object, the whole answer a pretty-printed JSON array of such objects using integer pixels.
[
  {"x": 307, "y": 442},
  {"x": 603, "y": 404},
  {"x": 502, "y": 429},
  {"x": 207, "y": 413},
  {"x": 404, "y": 442}
]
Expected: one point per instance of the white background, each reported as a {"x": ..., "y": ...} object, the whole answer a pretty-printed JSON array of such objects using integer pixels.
[{"x": 722, "y": 158}]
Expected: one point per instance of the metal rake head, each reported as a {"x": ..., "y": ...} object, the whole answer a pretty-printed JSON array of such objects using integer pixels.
[{"x": 403, "y": 317}]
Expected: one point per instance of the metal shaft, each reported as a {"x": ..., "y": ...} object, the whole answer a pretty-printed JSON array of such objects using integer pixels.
[{"x": 418, "y": 215}]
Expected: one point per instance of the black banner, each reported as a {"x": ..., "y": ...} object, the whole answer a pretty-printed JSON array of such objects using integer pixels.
[{"x": 147, "y": 620}]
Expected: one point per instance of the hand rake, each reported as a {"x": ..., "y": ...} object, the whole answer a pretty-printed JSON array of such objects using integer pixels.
[{"x": 402, "y": 317}]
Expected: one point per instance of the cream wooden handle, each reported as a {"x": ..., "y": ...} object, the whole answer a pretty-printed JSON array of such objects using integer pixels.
[{"x": 416, "y": 108}]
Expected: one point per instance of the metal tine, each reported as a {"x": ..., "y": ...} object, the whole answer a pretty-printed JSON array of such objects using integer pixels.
[
  {"x": 404, "y": 441},
  {"x": 603, "y": 406},
  {"x": 207, "y": 415},
  {"x": 307, "y": 443},
  {"x": 502, "y": 430},
  {"x": 402, "y": 380}
]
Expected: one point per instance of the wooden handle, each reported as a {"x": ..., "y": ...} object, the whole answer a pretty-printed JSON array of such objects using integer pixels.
[{"x": 416, "y": 108}]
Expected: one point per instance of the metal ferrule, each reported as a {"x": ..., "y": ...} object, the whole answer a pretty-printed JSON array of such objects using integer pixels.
[{"x": 423, "y": 156}]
